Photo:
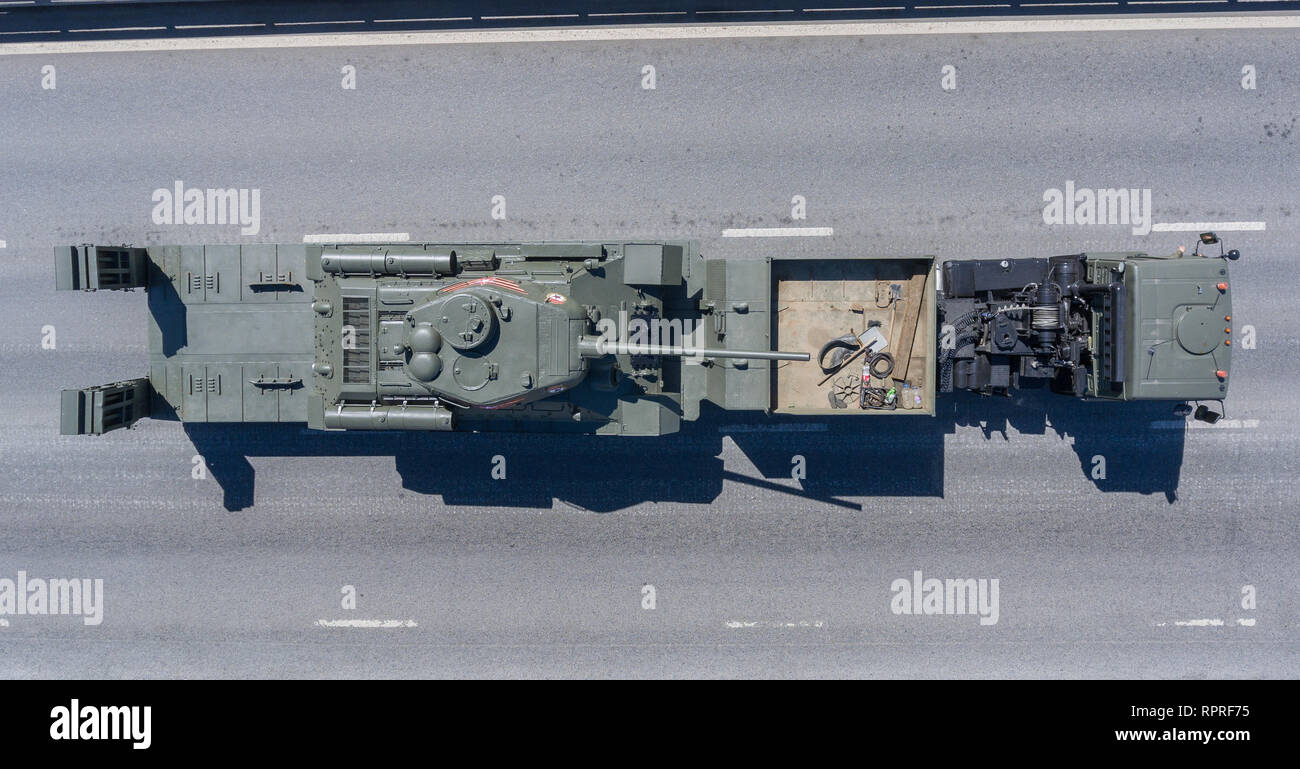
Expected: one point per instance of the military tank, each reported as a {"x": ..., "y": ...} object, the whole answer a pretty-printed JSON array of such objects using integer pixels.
[{"x": 631, "y": 338}]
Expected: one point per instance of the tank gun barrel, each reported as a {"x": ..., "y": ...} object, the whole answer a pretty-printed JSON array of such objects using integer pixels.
[{"x": 596, "y": 347}]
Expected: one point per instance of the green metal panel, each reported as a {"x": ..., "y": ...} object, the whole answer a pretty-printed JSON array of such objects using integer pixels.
[
  {"x": 225, "y": 398},
  {"x": 221, "y": 273},
  {"x": 1181, "y": 336},
  {"x": 652, "y": 264},
  {"x": 258, "y": 273},
  {"x": 747, "y": 322}
]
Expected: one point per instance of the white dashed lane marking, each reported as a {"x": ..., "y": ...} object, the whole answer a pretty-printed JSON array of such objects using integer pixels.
[
  {"x": 1208, "y": 227},
  {"x": 354, "y": 237},
  {"x": 779, "y": 232},
  {"x": 366, "y": 623}
]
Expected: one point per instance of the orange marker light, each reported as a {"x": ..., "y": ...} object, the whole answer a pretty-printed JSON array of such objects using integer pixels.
[
  {"x": 1227, "y": 330},
  {"x": 1222, "y": 374},
  {"x": 1227, "y": 317},
  {"x": 1223, "y": 286},
  {"x": 1227, "y": 341}
]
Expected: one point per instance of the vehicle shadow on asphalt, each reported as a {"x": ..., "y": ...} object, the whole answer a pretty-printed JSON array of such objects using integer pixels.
[{"x": 843, "y": 458}]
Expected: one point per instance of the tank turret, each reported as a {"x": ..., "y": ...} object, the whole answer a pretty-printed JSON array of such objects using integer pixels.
[{"x": 417, "y": 337}]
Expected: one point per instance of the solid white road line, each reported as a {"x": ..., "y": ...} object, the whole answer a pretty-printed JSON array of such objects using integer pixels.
[
  {"x": 674, "y": 32},
  {"x": 779, "y": 232},
  {"x": 1207, "y": 227},
  {"x": 358, "y": 237}
]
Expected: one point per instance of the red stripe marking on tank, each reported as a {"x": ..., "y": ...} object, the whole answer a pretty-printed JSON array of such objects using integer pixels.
[{"x": 493, "y": 281}]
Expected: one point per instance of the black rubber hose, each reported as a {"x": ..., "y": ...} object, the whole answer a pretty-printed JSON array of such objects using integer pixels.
[
  {"x": 887, "y": 358},
  {"x": 848, "y": 343}
]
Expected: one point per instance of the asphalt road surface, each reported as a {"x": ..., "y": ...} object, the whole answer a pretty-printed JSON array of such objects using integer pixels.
[{"x": 1183, "y": 561}]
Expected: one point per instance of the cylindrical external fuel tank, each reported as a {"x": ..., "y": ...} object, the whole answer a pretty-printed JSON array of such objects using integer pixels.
[
  {"x": 391, "y": 264},
  {"x": 388, "y": 418}
]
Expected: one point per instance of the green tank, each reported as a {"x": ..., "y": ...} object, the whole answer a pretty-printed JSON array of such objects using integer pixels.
[{"x": 631, "y": 338}]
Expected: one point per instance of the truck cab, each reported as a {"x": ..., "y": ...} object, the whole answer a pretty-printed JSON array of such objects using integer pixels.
[
  {"x": 1122, "y": 326},
  {"x": 1174, "y": 339}
]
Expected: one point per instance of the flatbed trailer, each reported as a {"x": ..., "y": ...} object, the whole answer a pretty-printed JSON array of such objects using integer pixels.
[{"x": 632, "y": 337}]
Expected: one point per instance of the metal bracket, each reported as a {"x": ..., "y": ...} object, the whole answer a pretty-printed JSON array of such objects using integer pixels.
[
  {"x": 286, "y": 382},
  {"x": 269, "y": 281}
]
